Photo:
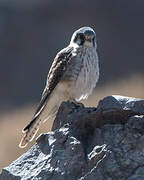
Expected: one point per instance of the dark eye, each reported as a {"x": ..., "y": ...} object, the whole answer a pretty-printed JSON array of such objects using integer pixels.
[{"x": 81, "y": 38}]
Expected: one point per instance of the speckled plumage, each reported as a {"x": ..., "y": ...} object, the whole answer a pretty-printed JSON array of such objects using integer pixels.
[{"x": 73, "y": 76}]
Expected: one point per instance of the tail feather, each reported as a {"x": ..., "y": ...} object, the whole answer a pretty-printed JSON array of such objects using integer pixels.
[{"x": 30, "y": 131}]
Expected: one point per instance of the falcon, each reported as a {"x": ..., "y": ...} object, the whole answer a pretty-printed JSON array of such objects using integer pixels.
[{"x": 72, "y": 77}]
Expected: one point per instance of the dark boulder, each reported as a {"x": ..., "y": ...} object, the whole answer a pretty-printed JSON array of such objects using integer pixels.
[{"x": 103, "y": 143}]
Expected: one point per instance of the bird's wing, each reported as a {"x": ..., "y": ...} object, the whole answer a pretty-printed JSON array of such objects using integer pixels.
[{"x": 56, "y": 72}]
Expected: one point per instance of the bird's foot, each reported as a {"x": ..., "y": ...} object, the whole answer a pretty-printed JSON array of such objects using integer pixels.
[{"x": 77, "y": 103}]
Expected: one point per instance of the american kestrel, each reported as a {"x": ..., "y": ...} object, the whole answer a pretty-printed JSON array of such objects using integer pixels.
[{"x": 72, "y": 76}]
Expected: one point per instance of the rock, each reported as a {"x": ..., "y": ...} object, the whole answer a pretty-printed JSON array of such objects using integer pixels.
[{"x": 103, "y": 143}]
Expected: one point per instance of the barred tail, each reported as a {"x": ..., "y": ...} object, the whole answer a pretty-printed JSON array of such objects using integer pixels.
[{"x": 30, "y": 131}]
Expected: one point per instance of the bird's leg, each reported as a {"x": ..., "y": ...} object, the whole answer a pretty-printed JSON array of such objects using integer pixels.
[
  {"x": 76, "y": 102},
  {"x": 70, "y": 98}
]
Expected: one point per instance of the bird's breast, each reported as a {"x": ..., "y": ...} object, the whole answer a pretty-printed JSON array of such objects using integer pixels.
[{"x": 88, "y": 74}]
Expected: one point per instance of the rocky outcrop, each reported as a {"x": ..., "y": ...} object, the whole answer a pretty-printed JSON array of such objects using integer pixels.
[{"x": 103, "y": 143}]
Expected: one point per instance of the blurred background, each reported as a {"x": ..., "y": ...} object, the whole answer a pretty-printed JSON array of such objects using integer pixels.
[{"x": 33, "y": 31}]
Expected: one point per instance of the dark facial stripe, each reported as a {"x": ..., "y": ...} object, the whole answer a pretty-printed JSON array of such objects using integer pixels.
[{"x": 79, "y": 39}]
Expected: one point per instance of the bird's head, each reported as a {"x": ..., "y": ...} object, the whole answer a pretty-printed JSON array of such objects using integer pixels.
[{"x": 84, "y": 36}]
